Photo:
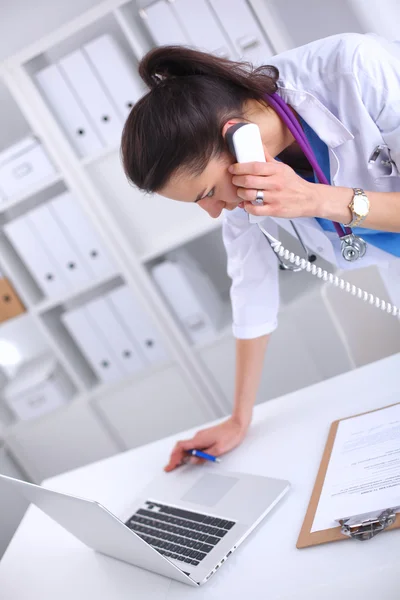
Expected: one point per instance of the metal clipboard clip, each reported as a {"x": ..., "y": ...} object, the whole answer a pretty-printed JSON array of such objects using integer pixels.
[{"x": 366, "y": 526}]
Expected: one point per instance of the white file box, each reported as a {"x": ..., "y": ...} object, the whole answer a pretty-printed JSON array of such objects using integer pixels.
[
  {"x": 22, "y": 165},
  {"x": 75, "y": 120},
  {"x": 191, "y": 296},
  {"x": 115, "y": 71},
  {"x": 86, "y": 86},
  {"x": 113, "y": 334},
  {"x": 163, "y": 25},
  {"x": 40, "y": 263},
  {"x": 78, "y": 228},
  {"x": 244, "y": 31},
  {"x": 137, "y": 324},
  {"x": 99, "y": 356},
  {"x": 202, "y": 27},
  {"x": 70, "y": 264},
  {"x": 40, "y": 386}
]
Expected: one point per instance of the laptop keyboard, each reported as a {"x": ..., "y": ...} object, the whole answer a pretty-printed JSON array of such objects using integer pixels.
[{"x": 179, "y": 534}]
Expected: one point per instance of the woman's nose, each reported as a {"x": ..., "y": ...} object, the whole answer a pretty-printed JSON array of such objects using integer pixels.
[{"x": 212, "y": 206}]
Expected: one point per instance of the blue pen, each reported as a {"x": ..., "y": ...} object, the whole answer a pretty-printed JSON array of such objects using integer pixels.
[{"x": 204, "y": 455}]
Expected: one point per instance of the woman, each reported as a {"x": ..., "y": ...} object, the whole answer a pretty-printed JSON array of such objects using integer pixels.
[{"x": 345, "y": 93}]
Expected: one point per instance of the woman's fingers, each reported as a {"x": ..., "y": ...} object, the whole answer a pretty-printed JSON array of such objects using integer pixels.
[
  {"x": 255, "y": 182},
  {"x": 254, "y": 168},
  {"x": 179, "y": 454}
]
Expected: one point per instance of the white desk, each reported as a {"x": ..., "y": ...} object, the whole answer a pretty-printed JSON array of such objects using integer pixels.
[{"x": 44, "y": 562}]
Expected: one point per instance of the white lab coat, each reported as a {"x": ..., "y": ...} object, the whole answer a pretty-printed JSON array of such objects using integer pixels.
[{"x": 347, "y": 88}]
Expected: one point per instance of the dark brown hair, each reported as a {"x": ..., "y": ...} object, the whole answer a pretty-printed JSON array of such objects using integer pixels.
[{"x": 178, "y": 123}]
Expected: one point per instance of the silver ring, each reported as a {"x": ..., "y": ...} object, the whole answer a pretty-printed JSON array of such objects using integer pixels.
[{"x": 259, "y": 197}]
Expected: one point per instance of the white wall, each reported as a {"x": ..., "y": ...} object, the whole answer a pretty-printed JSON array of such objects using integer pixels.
[
  {"x": 22, "y": 22},
  {"x": 381, "y": 17}
]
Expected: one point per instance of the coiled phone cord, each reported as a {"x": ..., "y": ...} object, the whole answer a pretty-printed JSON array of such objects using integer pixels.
[{"x": 312, "y": 268}]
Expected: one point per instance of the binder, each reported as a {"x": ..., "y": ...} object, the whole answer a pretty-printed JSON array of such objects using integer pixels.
[
  {"x": 69, "y": 262},
  {"x": 98, "y": 355},
  {"x": 362, "y": 526},
  {"x": 243, "y": 30},
  {"x": 163, "y": 25},
  {"x": 112, "y": 333},
  {"x": 89, "y": 91},
  {"x": 137, "y": 324},
  {"x": 77, "y": 226},
  {"x": 77, "y": 123},
  {"x": 41, "y": 265},
  {"x": 202, "y": 27},
  {"x": 115, "y": 72},
  {"x": 191, "y": 297}
]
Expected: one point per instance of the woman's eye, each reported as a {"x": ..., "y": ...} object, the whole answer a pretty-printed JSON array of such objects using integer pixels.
[{"x": 210, "y": 193}]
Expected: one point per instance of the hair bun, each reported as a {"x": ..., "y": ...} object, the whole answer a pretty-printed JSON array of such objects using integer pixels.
[{"x": 155, "y": 66}]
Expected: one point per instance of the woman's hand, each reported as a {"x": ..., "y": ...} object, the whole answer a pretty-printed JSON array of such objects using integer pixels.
[
  {"x": 286, "y": 194},
  {"x": 214, "y": 440}
]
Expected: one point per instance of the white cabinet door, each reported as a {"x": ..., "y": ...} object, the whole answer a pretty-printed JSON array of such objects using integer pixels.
[
  {"x": 13, "y": 506},
  {"x": 370, "y": 333},
  {"x": 154, "y": 407},
  {"x": 288, "y": 366},
  {"x": 65, "y": 439}
]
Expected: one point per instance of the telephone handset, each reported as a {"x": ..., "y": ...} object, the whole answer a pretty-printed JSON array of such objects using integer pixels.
[{"x": 245, "y": 144}]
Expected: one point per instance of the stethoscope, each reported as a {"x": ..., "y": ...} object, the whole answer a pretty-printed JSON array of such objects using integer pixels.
[{"x": 352, "y": 246}]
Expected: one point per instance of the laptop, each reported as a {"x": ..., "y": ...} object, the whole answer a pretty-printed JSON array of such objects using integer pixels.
[{"x": 183, "y": 525}]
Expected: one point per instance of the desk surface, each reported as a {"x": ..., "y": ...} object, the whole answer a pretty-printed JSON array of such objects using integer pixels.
[{"x": 286, "y": 440}]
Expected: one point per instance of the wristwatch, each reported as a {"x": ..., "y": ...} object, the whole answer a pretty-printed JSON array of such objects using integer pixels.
[{"x": 359, "y": 207}]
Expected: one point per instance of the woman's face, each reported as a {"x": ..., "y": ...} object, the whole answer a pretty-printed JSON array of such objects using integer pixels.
[{"x": 213, "y": 189}]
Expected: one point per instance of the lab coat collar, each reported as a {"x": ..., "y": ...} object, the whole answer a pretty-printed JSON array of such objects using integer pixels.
[{"x": 328, "y": 127}]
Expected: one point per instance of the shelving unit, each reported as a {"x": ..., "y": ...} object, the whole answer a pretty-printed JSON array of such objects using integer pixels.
[
  {"x": 134, "y": 233},
  {"x": 195, "y": 383}
]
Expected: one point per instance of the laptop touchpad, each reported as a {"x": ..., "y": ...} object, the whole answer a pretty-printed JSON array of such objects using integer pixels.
[{"x": 209, "y": 489}]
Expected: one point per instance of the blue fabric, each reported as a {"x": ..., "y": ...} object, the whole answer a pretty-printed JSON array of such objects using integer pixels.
[{"x": 390, "y": 242}]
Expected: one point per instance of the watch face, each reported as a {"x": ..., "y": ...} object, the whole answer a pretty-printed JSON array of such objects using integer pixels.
[{"x": 361, "y": 206}]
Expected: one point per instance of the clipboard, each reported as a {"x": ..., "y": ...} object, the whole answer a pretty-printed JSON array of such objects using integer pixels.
[{"x": 361, "y": 527}]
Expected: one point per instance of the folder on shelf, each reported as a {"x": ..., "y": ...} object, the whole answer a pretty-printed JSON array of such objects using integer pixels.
[
  {"x": 39, "y": 262},
  {"x": 163, "y": 25},
  {"x": 202, "y": 27},
  {"x": 243, "y": 30},
  {"x": 78, "y": 228},
  {"x": 88, "y": 89},
  {"x": 113, "y": 334},
  {"x": 75, "y": 120},
  {"x": 191, "y": 296},
  {"x": 137, "y": 324},
  {"x": 115, "y": 72},
  {"x": 69, "y": 261},
  {"x": 98, "y": 354},
  {"x": 356, "y": 490}
]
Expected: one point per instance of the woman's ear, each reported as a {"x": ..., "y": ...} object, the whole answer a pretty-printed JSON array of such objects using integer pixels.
[{"x": 229, "y": 124}]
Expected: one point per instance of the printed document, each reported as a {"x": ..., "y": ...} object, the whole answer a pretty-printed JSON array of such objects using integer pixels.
[{"x": 364, "y": 469}]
